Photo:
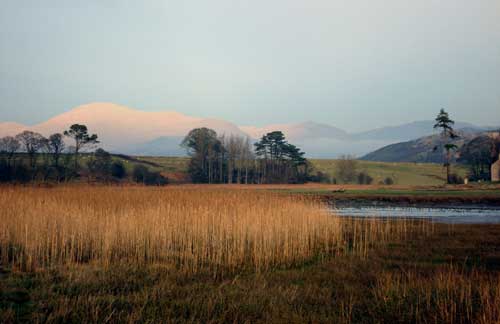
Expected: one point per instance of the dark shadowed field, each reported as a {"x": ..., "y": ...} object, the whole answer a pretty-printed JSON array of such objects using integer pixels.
[{"x": 451, "y": 276}]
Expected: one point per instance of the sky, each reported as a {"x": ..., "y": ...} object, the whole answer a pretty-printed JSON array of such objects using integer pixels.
[{"x": 352, "y": 64}]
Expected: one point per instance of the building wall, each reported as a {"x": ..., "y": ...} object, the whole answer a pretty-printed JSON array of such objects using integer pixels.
[
  {"x": 495, "y": 171},
  {"x": 495, "y": 167},
  {"x": 493, "y": 135}
]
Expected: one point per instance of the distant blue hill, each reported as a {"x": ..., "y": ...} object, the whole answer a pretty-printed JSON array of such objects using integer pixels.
[
  {"x": 410, "y": 131},
  {"x": 421, "y": 150},
  {"x": 161, "y": 146}
]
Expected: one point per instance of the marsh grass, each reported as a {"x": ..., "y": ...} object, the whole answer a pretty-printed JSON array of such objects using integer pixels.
[
  {"x": 194, "y": 229},
  {"x": 197, "y": 254},
  {"x": 452, "y": 294}
]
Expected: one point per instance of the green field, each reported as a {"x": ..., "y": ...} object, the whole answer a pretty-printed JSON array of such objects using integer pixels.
[
  {"x": 413, "y": 174},
  {"x": 418, "y": 174},
  {"x": 168, "y": 164},
  {"x": 410, "y": 174}
]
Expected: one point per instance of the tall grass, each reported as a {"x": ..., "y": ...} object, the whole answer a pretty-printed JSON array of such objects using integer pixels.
[
  {"x": 204, "y": 231},
  {"x": 450, "y": 294},
  {"x": 190, "y": 228},
  {"x": 194, "y": 228}
]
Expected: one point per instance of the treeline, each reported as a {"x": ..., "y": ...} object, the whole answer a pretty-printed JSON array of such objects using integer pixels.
[
  {"x": 31, "y": 157},
  {"x": 479, "y": 154},
  {"x": 73, "y": 155},
  {"x": 347, "y": 171},
  {"x": 233, "y": 159}
]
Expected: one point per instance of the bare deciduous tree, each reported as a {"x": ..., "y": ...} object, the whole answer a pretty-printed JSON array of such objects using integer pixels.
[
  {"x": 32, "y": 143},
  {"x": 10, "y": 146},
  {"x": 248, "y": 158},
  {"x": 56, "y": 147},
  {"x": 346, "y": 168}
]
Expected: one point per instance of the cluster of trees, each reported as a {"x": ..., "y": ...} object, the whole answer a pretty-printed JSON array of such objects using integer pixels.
[
  {"x": 29, "y": 156},
  {"x": 279, "y": 161},
  {"x": 346, "y": 171},
  {"x": 142, "y": 174},
  {"x": 478, "y": 154},
  {"x": 221, "y": 159}
]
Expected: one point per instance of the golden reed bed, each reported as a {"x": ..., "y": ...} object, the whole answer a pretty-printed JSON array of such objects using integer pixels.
[{"x": 192, "y": 228}]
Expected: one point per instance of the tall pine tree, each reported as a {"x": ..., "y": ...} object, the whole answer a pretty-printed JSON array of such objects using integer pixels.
[{"x": 448, "y": 134}]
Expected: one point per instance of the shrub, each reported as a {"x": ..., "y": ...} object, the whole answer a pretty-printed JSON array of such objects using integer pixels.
[
  {"x": 346, "y": 169},
  {"x": 320, "y": 177},
  {"x": 14, "y": 173},
  {"x": 388, "y": 181},
  {"x": 100, "y": 164},
  {"x": 5, "y": 171},
  {"x": 364, "y": 178},
  {"x": 118, "y": 170},
  {"x": 141, "y": 174},
  {"x": 455, "y": 179},
  {"x": 156, "y": 179}
]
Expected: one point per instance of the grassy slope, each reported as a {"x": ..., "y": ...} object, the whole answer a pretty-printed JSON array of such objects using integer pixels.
[
  {"x": 415, "y": 174},
  {"x": 409, "y": 174},
  {"x": 419, "y": 174},
  {"x": 168, "y": 164}
]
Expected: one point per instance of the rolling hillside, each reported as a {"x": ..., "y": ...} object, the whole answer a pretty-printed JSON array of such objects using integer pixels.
[
  {"x": 418, "y": 174},
  {"x": 428, "y": 149},
  {"x": 409, "y": 174},
  {"x": 412, "y": 174}
]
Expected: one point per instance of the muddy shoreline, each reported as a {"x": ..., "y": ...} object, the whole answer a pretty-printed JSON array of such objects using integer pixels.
[{"x": 411, "y": 201}]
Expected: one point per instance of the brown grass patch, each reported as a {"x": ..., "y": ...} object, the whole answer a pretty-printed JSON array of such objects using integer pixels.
[
  {"x": 197, "y": 254},
  {"x": 193, "y": 228}
]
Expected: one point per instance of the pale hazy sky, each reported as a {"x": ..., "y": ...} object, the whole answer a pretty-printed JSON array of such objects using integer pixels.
[{"x": 353, "y": 64}]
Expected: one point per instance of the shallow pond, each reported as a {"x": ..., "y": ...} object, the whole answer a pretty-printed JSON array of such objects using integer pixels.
[{"x": 455, "y": 215}]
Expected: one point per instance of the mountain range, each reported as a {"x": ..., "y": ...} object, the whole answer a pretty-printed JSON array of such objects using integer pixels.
[
  {"x": 130, "y": 131},
  {"x": 427, "y": 149}
]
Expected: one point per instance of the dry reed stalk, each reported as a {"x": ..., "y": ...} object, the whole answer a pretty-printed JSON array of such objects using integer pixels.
[
  {"x": 193, "y": 228},
  {"x": 450, "y": 295}
]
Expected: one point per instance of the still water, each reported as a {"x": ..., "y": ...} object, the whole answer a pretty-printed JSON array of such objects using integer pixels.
[{"x": 455, "y": 215}]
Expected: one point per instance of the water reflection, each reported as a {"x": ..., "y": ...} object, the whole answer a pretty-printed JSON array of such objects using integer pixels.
[{"x": 455, "y": 215}]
